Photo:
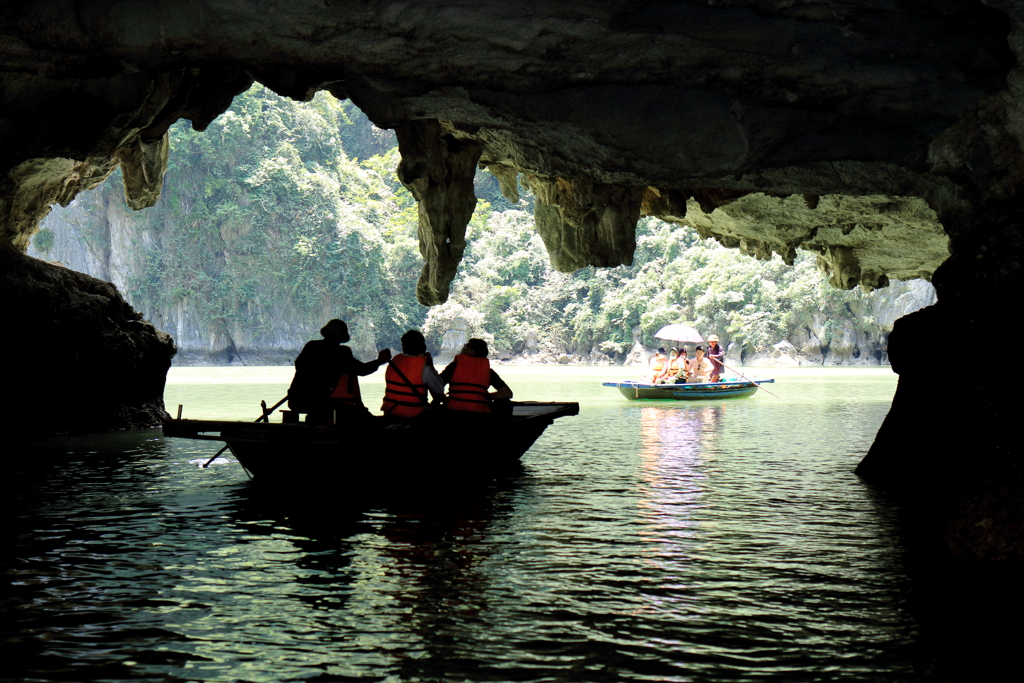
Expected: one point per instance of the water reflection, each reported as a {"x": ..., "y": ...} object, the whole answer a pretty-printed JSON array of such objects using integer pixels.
[{"x": 639, "y": 543}]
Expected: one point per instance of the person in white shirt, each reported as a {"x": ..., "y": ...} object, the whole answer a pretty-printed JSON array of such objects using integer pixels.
[{"x": 699, "y": 369}]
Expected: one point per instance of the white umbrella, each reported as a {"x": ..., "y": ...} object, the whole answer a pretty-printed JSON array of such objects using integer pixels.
[{"x": 679, "y": 333}]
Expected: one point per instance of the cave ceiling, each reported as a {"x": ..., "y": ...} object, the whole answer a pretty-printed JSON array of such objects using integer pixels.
[{"x": 843, "y": 128}]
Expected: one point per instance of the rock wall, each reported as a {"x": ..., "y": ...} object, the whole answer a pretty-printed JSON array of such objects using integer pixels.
[
  {"x": 96, "y": 235},
  {"x": 87, "y": 362}
]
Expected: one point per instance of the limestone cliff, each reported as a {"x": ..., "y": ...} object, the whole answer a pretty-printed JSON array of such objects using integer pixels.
[{"x": 100, "y": 236}]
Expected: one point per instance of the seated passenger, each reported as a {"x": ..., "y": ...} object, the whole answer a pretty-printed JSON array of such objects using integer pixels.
[
  {"x": 409, "y": 378},
  {"x": 700, "y": 368},
  {"x": 680, "y": 375},
  {"x": 468, "y": 378},
  {"x": 655, "y": 366},
  {"x": 668, "y": 374}
]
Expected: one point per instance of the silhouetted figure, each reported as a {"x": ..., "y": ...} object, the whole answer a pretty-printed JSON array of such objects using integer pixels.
[
  {"x": 326, "y": 378},
  {"x": 409, "y": 379},
  {"x": 469, "y": 376}
]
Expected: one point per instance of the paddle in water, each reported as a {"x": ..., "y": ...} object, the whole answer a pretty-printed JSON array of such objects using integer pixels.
[{"x": 265, "y": 417}]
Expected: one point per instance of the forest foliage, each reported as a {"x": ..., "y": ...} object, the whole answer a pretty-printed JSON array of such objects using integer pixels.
[{"x": 281, "y": 205}]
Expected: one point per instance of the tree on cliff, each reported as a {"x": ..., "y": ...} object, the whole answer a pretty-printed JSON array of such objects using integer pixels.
[{"x": 284, "y": 214}]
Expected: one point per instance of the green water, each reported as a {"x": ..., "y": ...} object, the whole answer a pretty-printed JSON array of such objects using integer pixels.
[
  {"x": 658, "y": 541},
  {"x": 234, "y": 393}
]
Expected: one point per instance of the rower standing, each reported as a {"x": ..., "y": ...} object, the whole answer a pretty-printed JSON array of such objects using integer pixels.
[{"x": 717, "y": 357}]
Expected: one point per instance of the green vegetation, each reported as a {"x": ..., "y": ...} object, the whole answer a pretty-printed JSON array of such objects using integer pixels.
[
  {"x": 289, "y": 213},
  {"x": 43, "y": 240}
]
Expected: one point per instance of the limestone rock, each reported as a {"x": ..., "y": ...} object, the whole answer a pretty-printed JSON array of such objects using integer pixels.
[
  {"x": 143, "y": 165},
  {"x": 805, "y": 105},
  {"x": 91, "y": 363},
  {"x": 439, "y": 170},
  {"x": 453, "y": 340},
  {"x": 860, "y": 240},
  {"x": 585, "y": 224}
]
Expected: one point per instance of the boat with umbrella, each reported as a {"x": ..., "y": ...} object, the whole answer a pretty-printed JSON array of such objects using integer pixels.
[{"x": 738, "y": 386}]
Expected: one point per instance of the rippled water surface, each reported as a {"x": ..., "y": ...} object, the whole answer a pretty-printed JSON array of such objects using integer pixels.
[{"x": 655, "y": 541}]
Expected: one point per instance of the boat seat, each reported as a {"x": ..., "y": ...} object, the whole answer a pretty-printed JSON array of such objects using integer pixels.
[{"x": 291, "y": 416}]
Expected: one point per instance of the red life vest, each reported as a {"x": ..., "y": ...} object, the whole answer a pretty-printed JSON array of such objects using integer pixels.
[
  {"x": 468, "y": 388},
  {"x": 405, "y": 398},
  {"x": 347, "y": 391}
]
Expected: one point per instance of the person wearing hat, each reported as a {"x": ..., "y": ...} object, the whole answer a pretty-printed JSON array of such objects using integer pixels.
[
  {"x": 716, "y": 355},
  {"x": 656, "y": 364},
  {"x": 326, "y": 377}
]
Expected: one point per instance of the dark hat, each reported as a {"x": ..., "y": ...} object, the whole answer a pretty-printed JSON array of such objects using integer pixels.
[
  {"x": 661, "y": 349},
  {"x": 334, "y": 329}
]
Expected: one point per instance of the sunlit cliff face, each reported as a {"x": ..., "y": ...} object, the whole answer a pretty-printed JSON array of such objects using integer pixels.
[{"x": 882, "y": 136}]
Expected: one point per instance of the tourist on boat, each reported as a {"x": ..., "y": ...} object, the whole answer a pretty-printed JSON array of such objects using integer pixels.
[
  {"x": 683, "y": 363},
  {"x": 469, "y": 376},
  {"x": 668, "y": 374},
  {"x": 699, "y": 369},
  {"x": 409, "y": 379},
  {"x": 326, "y": 377},
  {"x": 655, "y": 366},
  {"x": 716, "y": 355}
]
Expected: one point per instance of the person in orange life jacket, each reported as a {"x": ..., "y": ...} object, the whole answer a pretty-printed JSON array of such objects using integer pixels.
[
  {"x": 326, "y": 375},
  {"x": 469, "y": 376},
  {"x": 655, "y": 365},
  {"x": 409, "y": 378}
]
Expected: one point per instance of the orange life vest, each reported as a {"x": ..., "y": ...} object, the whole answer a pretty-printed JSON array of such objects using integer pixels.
[
  {"x": 468, "y": 388},
  {"x": 673, "y": 366},
  {"x": 347, "y": 391},
  {"x": 659, "y": 364},
  {"x": 405, "y": 398}
]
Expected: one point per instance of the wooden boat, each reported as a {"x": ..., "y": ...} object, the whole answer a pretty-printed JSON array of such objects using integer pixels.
[
  {"x": 445, "y": 446},
  {"x": 731, "y": 388}
]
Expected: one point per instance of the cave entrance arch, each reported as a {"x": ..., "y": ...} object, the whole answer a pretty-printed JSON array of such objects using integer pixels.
[
  {"x": 600, "y": 101},
  {"x": 276, "y": 217}
]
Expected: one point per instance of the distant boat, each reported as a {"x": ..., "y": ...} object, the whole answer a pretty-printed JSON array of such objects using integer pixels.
[
  {"x": 694, "y": 391},
  {"x": 354, "y": 456}
]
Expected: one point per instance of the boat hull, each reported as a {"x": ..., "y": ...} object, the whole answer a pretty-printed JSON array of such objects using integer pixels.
[
  {"x": 634, "y": 390},
  {"x": 449, "y": 448}
]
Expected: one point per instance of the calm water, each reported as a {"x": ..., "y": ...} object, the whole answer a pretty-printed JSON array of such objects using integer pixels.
[{"x": 642, "y": 541}]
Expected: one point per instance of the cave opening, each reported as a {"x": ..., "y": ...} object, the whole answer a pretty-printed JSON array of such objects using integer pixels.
[
  {"x": 610, "y": 116},
  {"x": 282, "y": 214}
]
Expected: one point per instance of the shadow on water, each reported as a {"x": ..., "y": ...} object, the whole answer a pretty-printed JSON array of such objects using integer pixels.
[{"x": 428, "y": 550}]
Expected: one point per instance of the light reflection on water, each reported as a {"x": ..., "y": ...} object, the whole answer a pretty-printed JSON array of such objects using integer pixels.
[{"x": 642, "y": 541}]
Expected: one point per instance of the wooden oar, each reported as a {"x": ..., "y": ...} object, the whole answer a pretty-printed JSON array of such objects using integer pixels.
[
  {"x": 265, "y": 417},
  {"x": 749, "y": 380}
]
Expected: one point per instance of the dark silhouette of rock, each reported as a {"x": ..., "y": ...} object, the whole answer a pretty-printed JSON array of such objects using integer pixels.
[{"x": 80, "y": 359}]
